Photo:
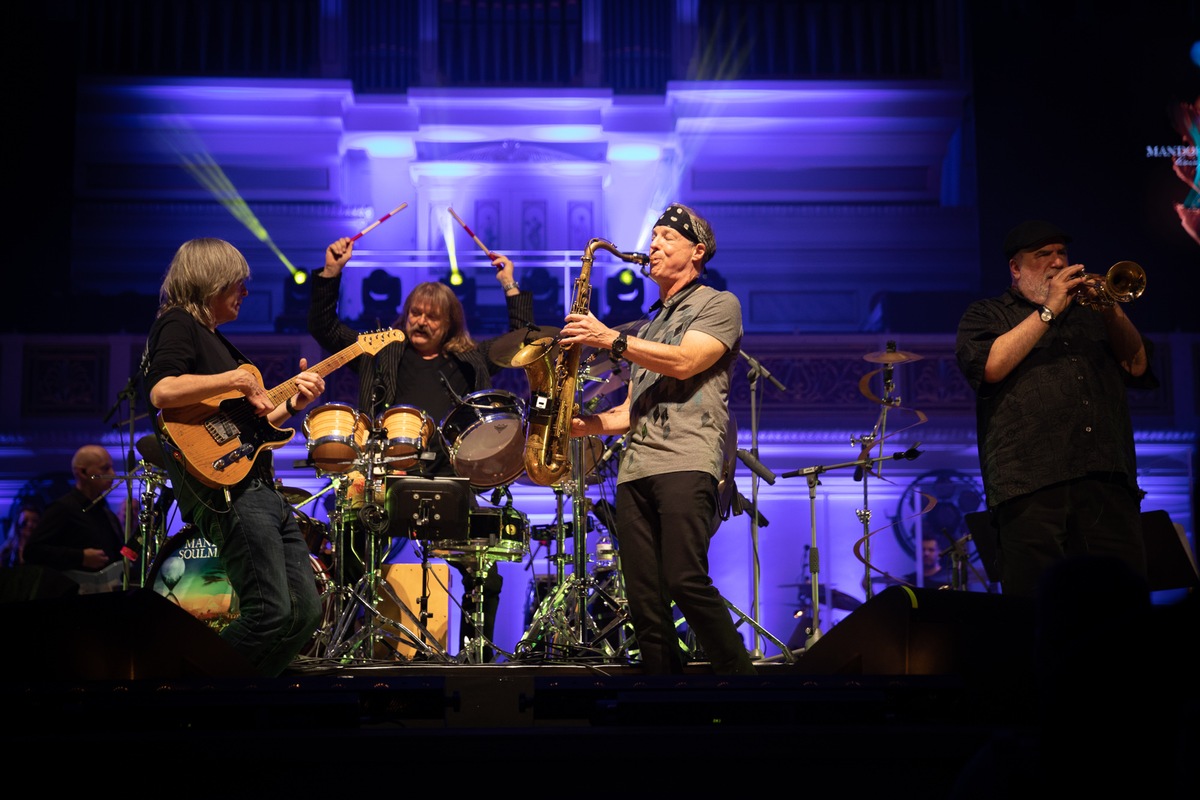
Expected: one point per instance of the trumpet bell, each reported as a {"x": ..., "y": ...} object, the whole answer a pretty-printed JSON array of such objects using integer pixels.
[{"x": 1125, "y": 281}]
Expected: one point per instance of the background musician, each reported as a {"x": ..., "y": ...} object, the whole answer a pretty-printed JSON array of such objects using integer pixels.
[
  {"x": 78, "y": 533},
  {"x": 438, "y": 363}
]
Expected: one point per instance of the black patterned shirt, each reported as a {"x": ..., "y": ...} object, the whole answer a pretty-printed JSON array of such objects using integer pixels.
[{"x": 1061, "y": 414}]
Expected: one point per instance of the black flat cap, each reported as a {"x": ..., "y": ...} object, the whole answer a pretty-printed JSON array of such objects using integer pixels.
[{"x": 1032, "y": 233}]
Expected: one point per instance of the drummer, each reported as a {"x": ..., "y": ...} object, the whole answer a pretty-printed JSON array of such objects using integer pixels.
[{"x": 437, "y": 364}]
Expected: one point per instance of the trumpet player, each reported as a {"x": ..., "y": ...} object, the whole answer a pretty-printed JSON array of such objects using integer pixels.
[
  {"x": 677, "y": 409},
  {"x": 1050, "y": 360}
]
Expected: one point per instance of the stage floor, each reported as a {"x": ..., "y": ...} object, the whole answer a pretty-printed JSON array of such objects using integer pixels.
[{"x": 936, "y": 694}]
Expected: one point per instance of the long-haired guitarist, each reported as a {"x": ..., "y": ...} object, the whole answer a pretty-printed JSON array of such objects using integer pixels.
[{"x": 218, "y": 422}]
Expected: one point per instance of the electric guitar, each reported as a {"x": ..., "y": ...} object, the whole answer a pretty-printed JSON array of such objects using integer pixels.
[{"x": 220, "y": 438}]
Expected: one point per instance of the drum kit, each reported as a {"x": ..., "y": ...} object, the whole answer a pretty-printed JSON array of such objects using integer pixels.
[
  {"x": 378, "y": 468},
  {"x": 380, "y": 473}
]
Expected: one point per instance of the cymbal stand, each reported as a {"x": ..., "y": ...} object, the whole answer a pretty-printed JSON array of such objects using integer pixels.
[
  {"x": 152, "y": 531},
  {"x": 877, "y": 435},
  {"x": 814, "y": 562},
  {"x": 563, "y": 625}
]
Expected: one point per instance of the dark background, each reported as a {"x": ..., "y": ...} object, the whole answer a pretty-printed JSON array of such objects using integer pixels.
[{"x": 1067, "y": 96}]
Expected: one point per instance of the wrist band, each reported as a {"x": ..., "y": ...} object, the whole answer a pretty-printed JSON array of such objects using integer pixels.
[
  {"x": 507, "y": 286},
  {"x": 291, "y": 409}
]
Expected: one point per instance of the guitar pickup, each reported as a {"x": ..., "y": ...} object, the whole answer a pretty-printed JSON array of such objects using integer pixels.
[
  {"x": 233, "y": 456},
  {"x": 221, "y": 428}
]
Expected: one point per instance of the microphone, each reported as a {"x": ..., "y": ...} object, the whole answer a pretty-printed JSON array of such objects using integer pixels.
[
  {"x": 756, "y": 466},
  {"x": 450, "y": 389},
  {"x": 613, "y": 448},
  {"x": 643, "y": 262}
]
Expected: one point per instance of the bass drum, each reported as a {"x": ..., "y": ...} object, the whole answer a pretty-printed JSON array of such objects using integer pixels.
[
  {"x": 188, "y": 572},
  {"x": 485, "y": 437}
]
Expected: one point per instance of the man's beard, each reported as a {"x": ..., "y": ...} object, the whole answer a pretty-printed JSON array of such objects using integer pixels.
[{"x": 1035, "y": 291}]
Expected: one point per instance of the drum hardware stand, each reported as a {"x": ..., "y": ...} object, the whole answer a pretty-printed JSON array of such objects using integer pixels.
[
  {"x": 151, "y": 524},
  {"x": 478, "y": 566},
  {"x": 563, "y": 623},
  {"x": 364, "y": 596}
]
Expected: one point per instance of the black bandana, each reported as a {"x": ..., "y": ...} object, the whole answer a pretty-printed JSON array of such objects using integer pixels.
[{"x": 677, "y": 218}]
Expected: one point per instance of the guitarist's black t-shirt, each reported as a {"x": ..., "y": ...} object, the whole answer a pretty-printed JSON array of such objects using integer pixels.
[{"x": 180, "y": 345}]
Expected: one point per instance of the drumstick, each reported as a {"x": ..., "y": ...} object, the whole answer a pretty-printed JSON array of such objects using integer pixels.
[
  {"x": 375, "y": 224},
  {"x": 470, "y": 232}
]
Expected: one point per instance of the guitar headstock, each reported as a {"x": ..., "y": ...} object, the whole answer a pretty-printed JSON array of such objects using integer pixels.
[{"x": 372, "y": 343}]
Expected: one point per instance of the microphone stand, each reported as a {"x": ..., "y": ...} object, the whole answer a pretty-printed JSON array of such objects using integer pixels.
[
  {"x": 753, "y": 373},
  {"x": 811, "y": 474},
  {"x": 129, "y": 395}
]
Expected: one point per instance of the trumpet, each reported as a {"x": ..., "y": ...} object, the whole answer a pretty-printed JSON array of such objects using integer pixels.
[{"x": 1124, "y": 281}]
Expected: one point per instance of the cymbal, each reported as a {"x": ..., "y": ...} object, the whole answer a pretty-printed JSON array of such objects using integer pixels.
[
  {"x": 607, "y": 384},
  {"x": 891, "y": 357},
  {"x": 841, "y": 600},
  {"x": 602, "y": 354},
  {"x": 633, "y": 327},
  {"x": 294, "y": 496},
  {"x": 507, "y": 345}
]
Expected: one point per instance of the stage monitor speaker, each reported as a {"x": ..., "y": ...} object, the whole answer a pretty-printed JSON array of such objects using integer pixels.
[
  {"x": 910, "y": 631},
  {"x": 1170, "y": 562},
  {"x": 112, "y": 636},
  {"x": 405, "y": 580}
]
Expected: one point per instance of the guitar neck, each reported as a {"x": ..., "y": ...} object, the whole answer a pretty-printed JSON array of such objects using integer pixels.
[{"x": 289, "y": 389}]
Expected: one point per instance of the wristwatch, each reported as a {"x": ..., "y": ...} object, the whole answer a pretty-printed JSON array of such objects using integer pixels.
[
  {"x": 619, "y": 344},
  {"x": 1046, "y": 314}
]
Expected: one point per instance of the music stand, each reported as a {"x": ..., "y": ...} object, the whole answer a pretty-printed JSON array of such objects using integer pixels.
[{"x": 428, "y": 508}]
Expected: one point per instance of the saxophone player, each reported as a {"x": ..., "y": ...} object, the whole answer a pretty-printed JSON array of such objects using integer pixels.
[{"x": 677, "y": 410}]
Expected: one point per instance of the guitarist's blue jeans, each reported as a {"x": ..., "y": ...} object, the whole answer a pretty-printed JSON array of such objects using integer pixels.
[{"x": 267, "y": 561}]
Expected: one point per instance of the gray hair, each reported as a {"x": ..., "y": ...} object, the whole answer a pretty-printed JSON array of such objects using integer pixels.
[{"x": 201, "y": 269}]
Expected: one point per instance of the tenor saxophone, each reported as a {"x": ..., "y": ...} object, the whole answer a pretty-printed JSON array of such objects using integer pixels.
[{"x": 552, "y": 383}]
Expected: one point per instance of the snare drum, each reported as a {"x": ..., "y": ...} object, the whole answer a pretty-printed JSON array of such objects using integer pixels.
[
  {"x": 337, "y": 435},
  {"x": 409, "y": 433},
  {"x": 500, "y": 534},
  {"x": 485, "y": 437}
]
